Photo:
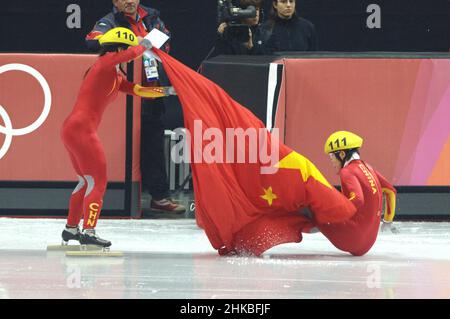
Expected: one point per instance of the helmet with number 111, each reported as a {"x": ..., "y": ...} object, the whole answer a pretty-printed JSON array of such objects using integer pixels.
[{"x": 342, "y": 145}]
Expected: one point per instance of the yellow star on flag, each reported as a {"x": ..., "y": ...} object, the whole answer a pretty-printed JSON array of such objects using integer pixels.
[
  {"x": 296, "y": 161},
  {"x": 269, "y": 196}
]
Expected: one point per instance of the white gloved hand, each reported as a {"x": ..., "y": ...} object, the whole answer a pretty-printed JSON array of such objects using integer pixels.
[
  {"x": 170, "y": 90},
  {"x": 389, "y": 227},
  {"x": 146, "y": 44}
]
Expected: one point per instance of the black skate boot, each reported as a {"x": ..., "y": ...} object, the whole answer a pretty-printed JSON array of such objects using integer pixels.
[
  {"x": 88, "y": 237},
  {"x": 70, "y": 233}
]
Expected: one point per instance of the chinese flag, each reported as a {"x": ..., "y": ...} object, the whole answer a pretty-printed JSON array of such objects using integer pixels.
[{"x": 240, "y": 208}]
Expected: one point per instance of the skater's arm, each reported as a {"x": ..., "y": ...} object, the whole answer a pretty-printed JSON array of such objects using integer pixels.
[
  {"x": 351, "y": 188},
  {"x": 126, "y": 55},
  {"x": 132, "y": 52},
  {"x": 390, "y": 196}
]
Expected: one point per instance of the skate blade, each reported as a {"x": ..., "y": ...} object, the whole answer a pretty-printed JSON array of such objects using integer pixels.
[
  {"x": 70, "y": 247},
  {"x": 94, "y": 253}
]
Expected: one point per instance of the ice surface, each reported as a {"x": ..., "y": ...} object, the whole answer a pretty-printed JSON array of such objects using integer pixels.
[{"x": 173, "y": 259}]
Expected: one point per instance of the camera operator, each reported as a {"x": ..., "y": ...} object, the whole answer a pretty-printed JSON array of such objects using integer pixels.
[{"x": 241, "y": 37}]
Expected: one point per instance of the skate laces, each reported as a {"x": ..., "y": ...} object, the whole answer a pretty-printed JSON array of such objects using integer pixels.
[{"x": 89, "y": 232}]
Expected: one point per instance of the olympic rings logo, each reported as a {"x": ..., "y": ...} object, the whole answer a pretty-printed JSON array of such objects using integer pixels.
[{"x": 8, "y": 129}]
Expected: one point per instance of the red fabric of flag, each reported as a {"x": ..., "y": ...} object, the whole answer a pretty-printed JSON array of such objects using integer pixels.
[{"x": 240, "y": 208}]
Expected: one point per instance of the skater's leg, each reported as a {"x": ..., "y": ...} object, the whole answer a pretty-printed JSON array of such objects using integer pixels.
[
  {"x": 73, "y": 134},
  {"x": 93, "y": 203},
  {"x": 72, "y": 231},
  {"x": 77, "y": 197},
  {"x": 93, "y": 165},
  {"x": 268, "y": 231}
]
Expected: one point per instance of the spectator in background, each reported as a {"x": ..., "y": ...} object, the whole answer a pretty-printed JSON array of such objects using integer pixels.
[
  {"x": 141, "y": 20},
  {"x": 286, "y": 31},
  {"x": 234, "y": 39}
]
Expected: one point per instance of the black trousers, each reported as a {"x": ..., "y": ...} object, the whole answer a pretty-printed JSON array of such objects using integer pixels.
[{"x": 153, "y": 167}]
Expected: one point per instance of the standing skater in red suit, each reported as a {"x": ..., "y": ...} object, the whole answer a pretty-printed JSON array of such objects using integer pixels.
[
  {"x": 364, "y": 187},
  {"x": 79, "y": 132}
]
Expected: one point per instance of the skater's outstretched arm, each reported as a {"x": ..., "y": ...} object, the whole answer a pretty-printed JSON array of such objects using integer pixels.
[{"x": 124, "y": 56}]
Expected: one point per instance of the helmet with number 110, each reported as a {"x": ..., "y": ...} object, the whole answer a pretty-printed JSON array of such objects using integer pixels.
[
  {"x": 118, "y": 36},
  {"x": 342, "y": 141}
]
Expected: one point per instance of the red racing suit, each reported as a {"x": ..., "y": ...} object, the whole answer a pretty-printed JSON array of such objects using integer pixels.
[
  {"x": 364, "y": 187},
  {"x": 79, "y": 132}
]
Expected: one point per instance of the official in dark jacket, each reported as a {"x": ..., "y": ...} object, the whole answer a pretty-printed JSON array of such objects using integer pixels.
[
  {"x": 145, "y": 20},
  {"x": 286, "y": 31}
]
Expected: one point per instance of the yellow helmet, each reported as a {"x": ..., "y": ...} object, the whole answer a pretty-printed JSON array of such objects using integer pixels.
[
  {"x": 342, "y": 140},
  {"x": 119, "y": 36}
]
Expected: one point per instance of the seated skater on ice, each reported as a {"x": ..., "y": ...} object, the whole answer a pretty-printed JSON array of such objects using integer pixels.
[
  {"x": 100, "y": 87},
  {"x": 364, "y": 187}
]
